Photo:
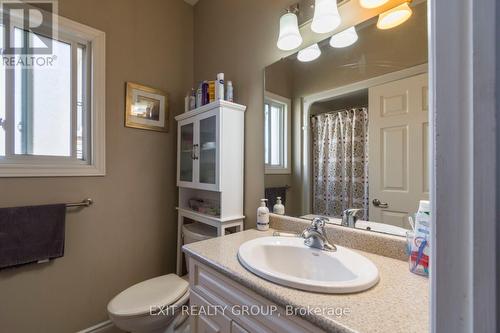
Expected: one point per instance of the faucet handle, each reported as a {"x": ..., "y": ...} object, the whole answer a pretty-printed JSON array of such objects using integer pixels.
[
  {"x": 315, "y": 235},
  {"x": 349, "y": 217},
  {"x": 351, "y": 211},
  {"x": 319, "y": 222}
]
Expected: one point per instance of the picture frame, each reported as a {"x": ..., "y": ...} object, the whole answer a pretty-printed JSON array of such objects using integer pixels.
[{"x": 146, "y": 108}]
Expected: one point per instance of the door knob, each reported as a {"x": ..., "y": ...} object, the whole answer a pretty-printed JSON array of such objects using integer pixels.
[{"x": 377, "y": 203}]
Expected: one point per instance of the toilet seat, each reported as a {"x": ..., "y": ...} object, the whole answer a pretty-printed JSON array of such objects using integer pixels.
[{"x": 141, "y": 298}]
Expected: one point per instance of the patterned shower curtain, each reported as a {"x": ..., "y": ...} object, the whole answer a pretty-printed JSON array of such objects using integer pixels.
[{"x": 340, "y": 162}]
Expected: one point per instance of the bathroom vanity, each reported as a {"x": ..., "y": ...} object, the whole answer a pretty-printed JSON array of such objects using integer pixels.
[
  {"x": 398, "y": 303},
  {"x": 211, "y": 290}
]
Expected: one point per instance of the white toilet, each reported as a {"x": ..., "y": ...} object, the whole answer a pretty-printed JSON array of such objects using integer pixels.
[{"x": 148, "y": 307}]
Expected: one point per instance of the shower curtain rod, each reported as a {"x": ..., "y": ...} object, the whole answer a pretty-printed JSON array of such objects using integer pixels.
[{"x": 340, "y": 110}]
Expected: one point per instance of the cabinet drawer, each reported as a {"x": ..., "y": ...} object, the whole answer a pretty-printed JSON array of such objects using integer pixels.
[
  {"x": 235, "y": 328},
  {"x": 205, "y": 323},
  {"x": 220, "y": 290}
]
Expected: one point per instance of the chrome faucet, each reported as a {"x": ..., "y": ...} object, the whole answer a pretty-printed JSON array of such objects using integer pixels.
[
  {"x": 315, "y": 235},
  {"x": 349, "y": 217}
]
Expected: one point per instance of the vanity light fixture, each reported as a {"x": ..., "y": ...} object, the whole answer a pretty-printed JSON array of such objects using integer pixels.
[
  {"x": 372, "y": 3},
  {"x": 310, "y": 53},
  {"x": 394, "y": 17},
  {"x": 289, "y": 37},
  {"x": 326, "y": 16},
  {"x": 344, "y": 38}
]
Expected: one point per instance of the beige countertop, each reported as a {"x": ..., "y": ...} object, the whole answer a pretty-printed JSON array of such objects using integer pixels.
[{"x": 398, "y": 303}]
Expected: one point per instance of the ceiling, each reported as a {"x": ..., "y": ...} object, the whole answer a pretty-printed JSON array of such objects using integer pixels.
[{"x": 191, "y": 2}]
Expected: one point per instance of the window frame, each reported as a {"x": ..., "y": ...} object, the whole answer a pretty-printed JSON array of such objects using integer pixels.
[
  {"x": 285, "y": 165},
  {"x": 93, "y": 163}
]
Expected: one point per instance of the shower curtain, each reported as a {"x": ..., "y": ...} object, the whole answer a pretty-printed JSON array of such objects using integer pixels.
[{"x": 340, "y": 162}]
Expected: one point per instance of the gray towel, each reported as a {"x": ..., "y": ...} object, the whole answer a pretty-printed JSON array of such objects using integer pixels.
[
  {"x": 29, "y": 234},
  {"x": 271, "y": 193}
]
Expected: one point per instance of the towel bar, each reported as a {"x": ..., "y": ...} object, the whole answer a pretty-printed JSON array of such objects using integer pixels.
[{"x": 85, "y": 203}]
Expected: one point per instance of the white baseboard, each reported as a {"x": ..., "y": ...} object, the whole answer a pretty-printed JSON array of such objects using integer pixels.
[{"x": 99, "y": 328}]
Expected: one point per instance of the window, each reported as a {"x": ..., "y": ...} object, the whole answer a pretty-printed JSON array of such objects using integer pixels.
[
  {"x": 276, "y": 134},
  {"x": 52, "y": 105}
]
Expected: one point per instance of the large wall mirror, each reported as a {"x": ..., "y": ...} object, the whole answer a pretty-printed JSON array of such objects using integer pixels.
[{"x": 349, "y": 129}]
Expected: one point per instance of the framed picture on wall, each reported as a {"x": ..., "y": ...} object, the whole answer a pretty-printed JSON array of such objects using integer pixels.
[{"x": 146, "y": 108}]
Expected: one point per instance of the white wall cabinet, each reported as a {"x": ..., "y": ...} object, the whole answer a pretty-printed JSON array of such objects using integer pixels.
[
  {"x": 207, "y": 138},
  {"x": 198, "y": 151},
  {"x": 210, "y": 162}
]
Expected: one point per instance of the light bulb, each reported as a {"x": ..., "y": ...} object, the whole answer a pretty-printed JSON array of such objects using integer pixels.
[
  {"x": 326, "y": 16},
  {"x": 394, "y": 17},
  {"x": 344, "y": 38},
  {"x": 310, "y": 53},
  {"x": 372, "y": 3},
  {"x": 289, "y": 37}
]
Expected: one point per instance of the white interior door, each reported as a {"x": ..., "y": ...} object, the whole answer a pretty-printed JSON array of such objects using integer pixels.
[{"x": 398, "y": 131}]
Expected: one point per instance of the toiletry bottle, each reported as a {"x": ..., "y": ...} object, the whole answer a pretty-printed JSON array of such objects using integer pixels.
[
  {"x": 204, "y": 93},
  {"x": 192, "y": 100},
  {"x": 420, "y": 249},
  {"x": 229, "y": 92},
  {"x": 186, "y": 102},
  {"x": 278, "y": 207},
  {"x": 219, "y": 86},
  {"x": 211, "y": 91},
  {"x": 199, "y": 99},
  {"x": 263, "y": 216}
]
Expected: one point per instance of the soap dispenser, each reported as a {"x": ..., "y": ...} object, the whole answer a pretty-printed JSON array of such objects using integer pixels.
[
  {"x": 263, "y": 216},
  {"x": 278, "y": 207}
]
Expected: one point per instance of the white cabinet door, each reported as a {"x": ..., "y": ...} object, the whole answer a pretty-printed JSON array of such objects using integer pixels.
[
  {"x": 186, "y": 152},
  {"x": 202, "y": 322},
  {"x": 398, "y": 149},
  {"x": 198, "y": 154},
  {"x": 208, "y": 151}
]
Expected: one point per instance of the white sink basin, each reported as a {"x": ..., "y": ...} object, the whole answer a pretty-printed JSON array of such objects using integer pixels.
[{"x": 287, "y": 261}]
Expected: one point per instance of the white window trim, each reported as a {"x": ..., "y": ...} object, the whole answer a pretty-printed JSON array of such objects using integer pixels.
[
  {"x": 270, "y": 170},
  {"x": 42, "y": 166}
]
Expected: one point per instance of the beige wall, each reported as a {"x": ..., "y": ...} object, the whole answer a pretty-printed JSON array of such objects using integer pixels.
[
  {"x": 239, "y": 38},
  {"x": 279, "y": 78},
  {"x": 130, "y": 233}
]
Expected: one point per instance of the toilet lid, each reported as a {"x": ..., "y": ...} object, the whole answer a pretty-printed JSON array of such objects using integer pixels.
[{"x": 137, "y": 300}]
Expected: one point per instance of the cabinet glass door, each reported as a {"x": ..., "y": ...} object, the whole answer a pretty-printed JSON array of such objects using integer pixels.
[
  {"x": 208, "y": 150},
  {"x": 186, "y": 153}
]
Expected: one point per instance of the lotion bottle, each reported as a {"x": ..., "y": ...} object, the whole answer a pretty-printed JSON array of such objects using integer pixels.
[
  {"x": 192, "y": 100},
  {"x": 186, "y": 103},
  {"x": 263, "y": 216},
  {"x": 278, "y": 207},
  {"x": 229, "y": 92}
]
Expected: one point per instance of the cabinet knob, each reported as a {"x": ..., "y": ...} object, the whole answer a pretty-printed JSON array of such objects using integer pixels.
[{"x": 195, "y": 152}]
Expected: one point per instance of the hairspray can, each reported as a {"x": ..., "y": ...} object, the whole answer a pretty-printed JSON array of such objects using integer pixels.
[{"x": 219, "y": 86}]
